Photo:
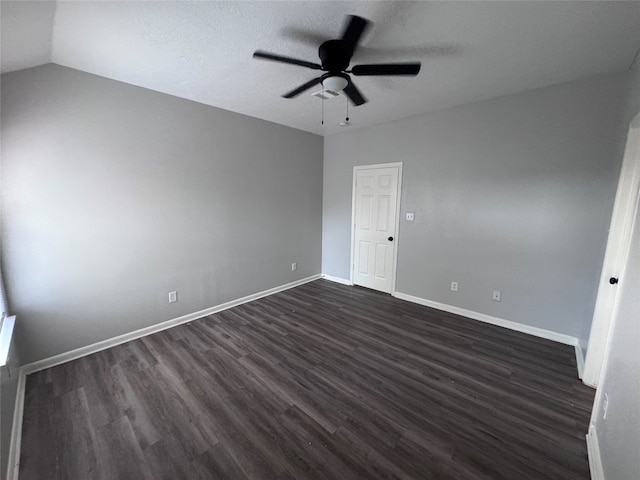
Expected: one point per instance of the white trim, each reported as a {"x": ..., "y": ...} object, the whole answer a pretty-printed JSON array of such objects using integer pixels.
[
  {"x": 518, "y": 327},
  {"x": 579, "y": 360},
  {"x": 16, "y": 428},
  {"x": 342, "y": 281},
  {"x": 399, "y": 166},
  {"x": 394, "y": 275},
  {"x": 16, "y": 432},
  {"x": 6, "y": 333},
  {"x": 593, "y": 451},
  {"x": 352, "y": 227}
]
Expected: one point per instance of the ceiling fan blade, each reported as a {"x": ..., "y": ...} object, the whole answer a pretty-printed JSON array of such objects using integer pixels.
[
  {"x": 353, "y": 32},
  {"x": 305, "y": 86},
  {"x": 354, "y": 94},
  {"x": 387, "y": 69},
  {"x": 283, "y": 59}
]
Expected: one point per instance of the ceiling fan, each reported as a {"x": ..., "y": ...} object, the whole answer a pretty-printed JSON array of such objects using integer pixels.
[{"x": 335, "y": 56}]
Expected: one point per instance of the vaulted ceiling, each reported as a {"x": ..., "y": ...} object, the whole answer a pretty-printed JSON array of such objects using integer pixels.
[{"x": 202, "y": 51}]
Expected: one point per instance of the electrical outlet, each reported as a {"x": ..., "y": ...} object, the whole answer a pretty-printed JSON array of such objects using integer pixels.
[
  {"x": 454, "y": 286},
  {"x": 173, "y": 297},
  {"x": 410, "y": 217},
  {"x": 605, "y": 405},
  {"x": 294, "y": 266},
  {"x": 496, "y": 295}
]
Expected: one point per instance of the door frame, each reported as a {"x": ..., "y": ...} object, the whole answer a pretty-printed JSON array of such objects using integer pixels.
[
  {"x": 352, "y": 266},
  {"x": 616, "y": 254}
]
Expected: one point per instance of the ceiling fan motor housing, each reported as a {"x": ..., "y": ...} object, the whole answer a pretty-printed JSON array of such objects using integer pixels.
[{"x": 335, "y": 55}]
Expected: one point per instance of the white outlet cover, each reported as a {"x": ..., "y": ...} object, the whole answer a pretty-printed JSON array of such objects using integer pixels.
[
  {"x": 497, "y": 295},
  {"x": 410, "y": 216}
]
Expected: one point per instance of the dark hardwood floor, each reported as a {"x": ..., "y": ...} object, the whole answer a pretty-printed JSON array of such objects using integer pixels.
[{"x": 322, "y": 381}]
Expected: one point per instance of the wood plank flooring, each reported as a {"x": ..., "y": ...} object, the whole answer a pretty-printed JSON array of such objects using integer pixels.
[{"x": 322, "y": 381}]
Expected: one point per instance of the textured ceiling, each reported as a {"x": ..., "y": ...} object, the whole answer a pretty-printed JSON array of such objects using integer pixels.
[{"x": 202, "y": 51}]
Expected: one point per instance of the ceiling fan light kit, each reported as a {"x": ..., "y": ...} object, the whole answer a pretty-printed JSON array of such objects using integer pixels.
[
  {"x": 335, "y": 83},
  {"x": 335, "y": 57}
]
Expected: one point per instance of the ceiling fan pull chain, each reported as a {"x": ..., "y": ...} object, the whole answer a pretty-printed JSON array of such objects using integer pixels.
[
  {"x": 347, "y": 102},
  {"x": 322, "y": 101}
]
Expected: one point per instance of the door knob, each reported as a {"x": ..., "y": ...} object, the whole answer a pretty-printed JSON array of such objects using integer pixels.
[
  {"x": 613, "y": 280},
  {"x": 390, "y": 239}
]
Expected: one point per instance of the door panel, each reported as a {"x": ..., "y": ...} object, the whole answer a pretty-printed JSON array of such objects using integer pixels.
[
  {"x": 363, "y": 263},
  {"x": 365, "y": 212},
  {"x": 382, "y": 251},
  {"x": 383, "y": 214}
]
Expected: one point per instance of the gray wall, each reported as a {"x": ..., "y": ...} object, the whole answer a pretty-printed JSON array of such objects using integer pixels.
[
  {"x": 619, "y": 433},
  {"x": 115, "y": 195},
  {"x": 512, "y": 194}
]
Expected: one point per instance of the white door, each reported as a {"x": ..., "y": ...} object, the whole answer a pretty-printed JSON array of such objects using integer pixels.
[
  {"x": 374, "y": 240},
  {"x": 615, "y": 258}
]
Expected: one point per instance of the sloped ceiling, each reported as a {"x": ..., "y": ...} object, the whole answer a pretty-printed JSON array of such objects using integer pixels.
[{"x": 202, "y": 51}]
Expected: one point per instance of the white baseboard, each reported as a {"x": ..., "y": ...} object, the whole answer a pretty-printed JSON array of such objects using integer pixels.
[
  {"x": 337, "y": 280},
  {"x": 593, "y": 450},
  {"x": 518, "y": 327},
  {"x": 16, "y": 428},
  {"x": 16, "y": 433},
  {"x": 579, "y": 360},
  {"x": 143, "y": 332}
]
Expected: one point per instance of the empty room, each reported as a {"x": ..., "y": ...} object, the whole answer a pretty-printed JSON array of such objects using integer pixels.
[{"x": 320, "y": 240}]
